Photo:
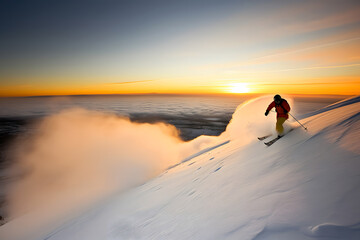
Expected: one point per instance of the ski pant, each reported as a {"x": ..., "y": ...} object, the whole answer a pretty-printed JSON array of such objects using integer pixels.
[{"x": 279, "y": 125}]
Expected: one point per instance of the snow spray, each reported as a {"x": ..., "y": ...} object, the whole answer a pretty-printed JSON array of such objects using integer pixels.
[
  {"x": 77, "y": 157},
  {"x": 248, "y": 121}
]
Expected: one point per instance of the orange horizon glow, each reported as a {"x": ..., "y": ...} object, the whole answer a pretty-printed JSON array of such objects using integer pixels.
[{"x": 332, "y": 87}]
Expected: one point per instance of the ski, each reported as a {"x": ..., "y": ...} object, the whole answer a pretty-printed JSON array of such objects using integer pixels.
[
  {"x": 272, "y": 141},
  {"x": 277, "y": 138},
  {"x": 264, "y": 137}
]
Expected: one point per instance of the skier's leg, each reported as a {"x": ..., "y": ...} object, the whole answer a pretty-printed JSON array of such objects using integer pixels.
[{"x": 279, "y": 125}]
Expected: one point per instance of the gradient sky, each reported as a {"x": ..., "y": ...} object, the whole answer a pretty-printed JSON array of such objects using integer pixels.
[{"x": 100, "y": 46}]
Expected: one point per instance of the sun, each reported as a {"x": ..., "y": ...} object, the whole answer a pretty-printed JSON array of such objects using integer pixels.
[{"x": 239, "y": 88}]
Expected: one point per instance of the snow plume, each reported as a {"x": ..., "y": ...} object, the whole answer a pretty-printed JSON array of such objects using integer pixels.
[
  {"x": 249, "y": 122},
  {"x": 76, "y": 157}
]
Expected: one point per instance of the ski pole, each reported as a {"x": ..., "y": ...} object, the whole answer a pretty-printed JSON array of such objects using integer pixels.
[{"x": 298, "y": 122}]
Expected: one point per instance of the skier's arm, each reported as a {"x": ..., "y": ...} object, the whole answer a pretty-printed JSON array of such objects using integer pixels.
[{"x": 271, "y": 105}]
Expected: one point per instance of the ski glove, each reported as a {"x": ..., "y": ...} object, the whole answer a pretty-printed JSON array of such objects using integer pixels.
[{"x": 266, "y": 113}]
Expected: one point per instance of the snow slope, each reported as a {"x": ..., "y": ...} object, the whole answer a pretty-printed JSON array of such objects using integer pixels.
[{"x": 305, "y": 186}]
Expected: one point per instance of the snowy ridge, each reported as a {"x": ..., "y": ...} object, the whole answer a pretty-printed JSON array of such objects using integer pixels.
[
  {"x": 305, "y": 186},
  {"x": 333, "y": 106}
]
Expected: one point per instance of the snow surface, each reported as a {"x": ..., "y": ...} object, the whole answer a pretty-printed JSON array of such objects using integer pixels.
[{"x": 305, "y": 186}]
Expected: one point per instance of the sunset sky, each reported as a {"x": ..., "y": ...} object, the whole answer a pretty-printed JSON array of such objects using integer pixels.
[{"x": 190, "y": 46}]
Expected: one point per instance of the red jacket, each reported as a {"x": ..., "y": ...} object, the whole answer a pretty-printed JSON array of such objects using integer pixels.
[{"x": 280, "y": 108}]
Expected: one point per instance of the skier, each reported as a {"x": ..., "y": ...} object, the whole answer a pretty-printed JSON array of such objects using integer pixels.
[{"x": 282, "y": 108}]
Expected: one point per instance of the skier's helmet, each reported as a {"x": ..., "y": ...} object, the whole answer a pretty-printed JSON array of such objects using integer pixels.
[{"x": 277, "y": 98}]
